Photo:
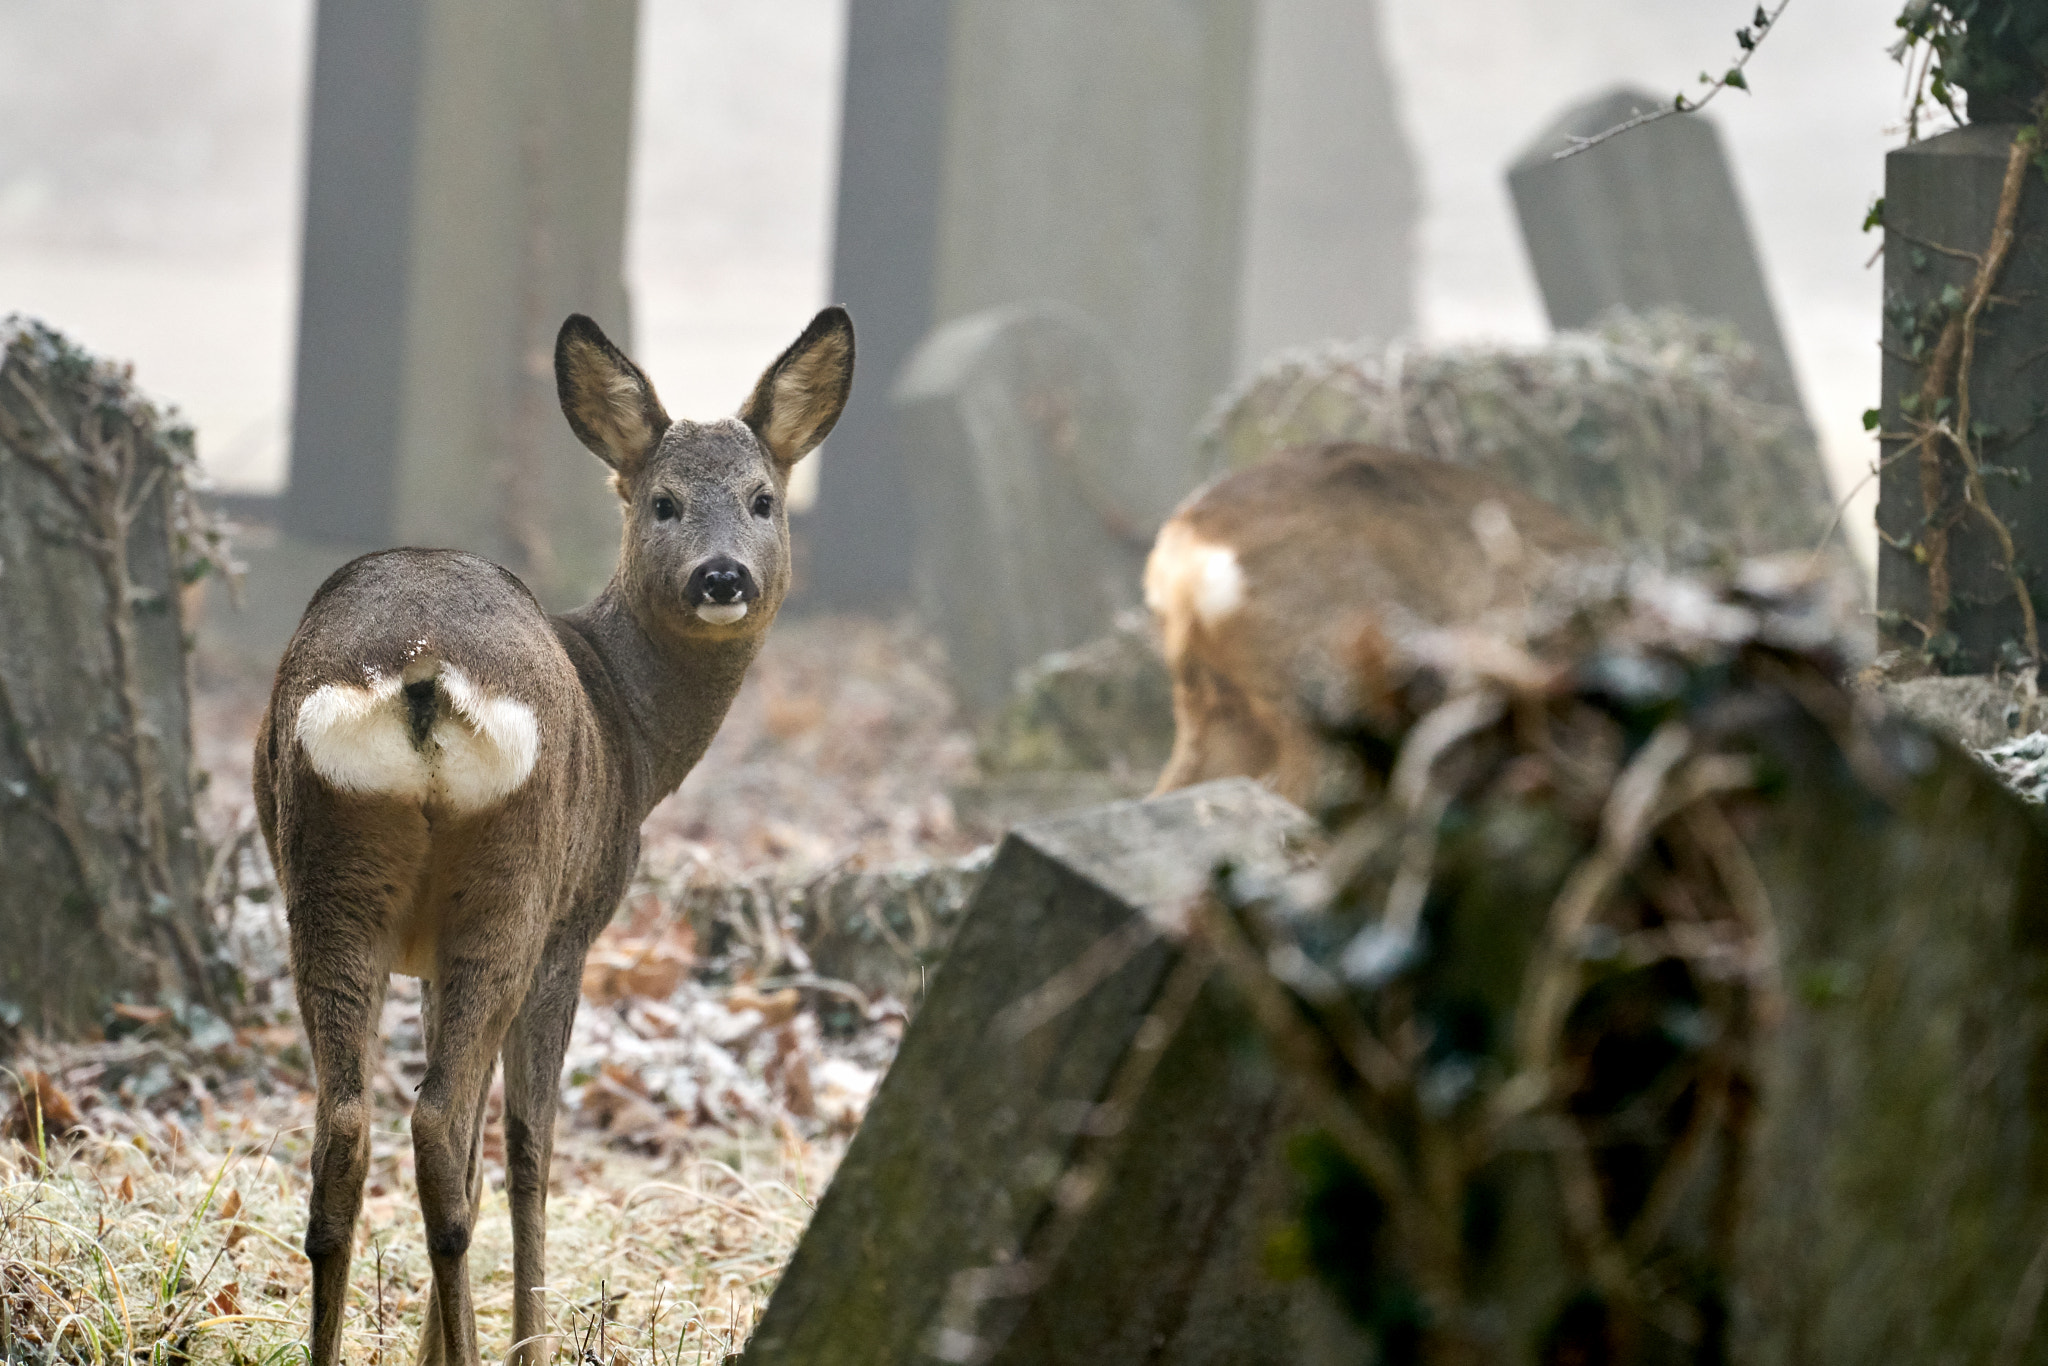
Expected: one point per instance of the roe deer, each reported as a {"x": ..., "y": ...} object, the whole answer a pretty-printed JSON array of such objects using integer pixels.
[
  {"x": 1261, "y": 572},
  {"x": 451, "y": 783}
]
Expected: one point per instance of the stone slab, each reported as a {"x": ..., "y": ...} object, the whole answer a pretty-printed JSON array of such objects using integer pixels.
[{"x": 955, "y": 1169}]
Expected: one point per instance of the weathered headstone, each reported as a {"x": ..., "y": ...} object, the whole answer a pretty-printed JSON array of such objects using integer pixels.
[
  {"x": 1332, "y": 195},
  {"x": 1941, "y": 201},
  {"x": 466, "y": 190},
  {"x": 1646, "y": 220},
  {"x": 1662, "y": 433},
  {"x": 100, "y": 861},
  {"x": 1096, "y": 155},
  {"x": 1032, "y": 519},
  {"x": 957, "y": 1227},
  {"x": 891, "y": 135}
]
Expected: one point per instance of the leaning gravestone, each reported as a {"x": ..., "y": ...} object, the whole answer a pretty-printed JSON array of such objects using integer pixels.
[
  {"x": 465, "y": 190},
  {"x": 1644, "y": 221},
  {"x": 100, "y": 862},
  {"x": 1033, "y": 511},
  {"x": 959, "y": 1228}
]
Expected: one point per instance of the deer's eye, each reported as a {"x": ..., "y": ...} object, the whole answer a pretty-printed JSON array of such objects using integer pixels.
[
  {"x": 664, "y": 509},
  {"x": 764, "y": 504}
]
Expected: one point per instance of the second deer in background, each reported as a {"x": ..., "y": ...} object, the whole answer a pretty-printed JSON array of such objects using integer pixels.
[{"x": 1261, "y": 575}]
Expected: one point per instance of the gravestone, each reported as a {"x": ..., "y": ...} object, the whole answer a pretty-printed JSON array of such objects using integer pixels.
[
  {"x": 101, "y": 867},
  {"x": 1661, "y": 433},
  {"x": 1941, "y": 197},
  {"x": 465, "y": 191},
  {"x": 941, "y": 1236},
  {"x": 1646, "y": 220},
  {"x": 1096, "y": 155},
  {"x": 1209, "y": 183},
  {"x": 1332, "y": 194},
  {"x": 891, "y": 133},
  {"x": 1032, "y": 519}
]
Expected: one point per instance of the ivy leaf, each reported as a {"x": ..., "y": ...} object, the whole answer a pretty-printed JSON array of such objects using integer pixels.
[
  {"x": 1875, "y": 217},
  {"x": 1871, "y": 419},
  {"x": 1745, "y": 40},
  {"x": 1735, "y": 78}
]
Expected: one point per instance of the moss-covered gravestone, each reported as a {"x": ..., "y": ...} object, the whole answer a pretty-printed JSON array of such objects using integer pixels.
[
  {"x": 1074, "y": 1159},
  {"x": 100, "y": 863}
]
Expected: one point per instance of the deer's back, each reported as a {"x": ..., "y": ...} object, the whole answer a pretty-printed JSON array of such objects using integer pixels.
[
  {"x": 423, "y": 691},
  {"x": 1263, "y": 572}
]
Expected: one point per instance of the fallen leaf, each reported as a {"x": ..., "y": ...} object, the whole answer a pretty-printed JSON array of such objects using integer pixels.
[{"x": 39, "y": 1102}]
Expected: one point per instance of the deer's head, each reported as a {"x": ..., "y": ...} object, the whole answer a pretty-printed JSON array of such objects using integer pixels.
[{"x": 706, "y": 546}]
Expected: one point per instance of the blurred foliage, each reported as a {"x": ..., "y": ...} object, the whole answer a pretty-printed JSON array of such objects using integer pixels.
[
  {"x": 1994, "y": 52},
  {"x": 1527, "y": 988}
]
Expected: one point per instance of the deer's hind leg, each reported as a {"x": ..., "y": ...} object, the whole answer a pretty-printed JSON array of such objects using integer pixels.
[
  {"x": 352, "y": 873},
  {"x": 533, "y": 1084},
  {"x": 493, "y": 922},
  {"x": 433, "y": 1342}
]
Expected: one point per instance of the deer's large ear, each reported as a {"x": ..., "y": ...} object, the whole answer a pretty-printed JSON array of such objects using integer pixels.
[
  {"x": 609, "y": 403},
  {"x": 799, "y": 397}
]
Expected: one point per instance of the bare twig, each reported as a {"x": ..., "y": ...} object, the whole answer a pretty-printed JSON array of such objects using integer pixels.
[{"x": 1750, "y": 41}]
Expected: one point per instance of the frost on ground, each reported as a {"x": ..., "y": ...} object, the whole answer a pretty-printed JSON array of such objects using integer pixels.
[
  {"x": 2022, "y": 763},
  {"x": 153, "y": 1186}
]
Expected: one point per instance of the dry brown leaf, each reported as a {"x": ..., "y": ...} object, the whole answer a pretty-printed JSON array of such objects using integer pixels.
[
  {"x": 228, "y": 1301},
  {"x": 126, "y": 1190},
  {"x": 776, "y": 1008},
  {"x": 40, "y": 1101},
  {"x": 230, "y": 1205}
]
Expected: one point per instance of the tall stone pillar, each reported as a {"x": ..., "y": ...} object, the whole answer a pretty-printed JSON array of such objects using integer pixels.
[
  {"x": 891, "y": 135},
  {"x": 466, "y": 190},
  {"x": 1205, "y": 183},
  {"x": 1940, "y": 204},
  {"x": 1333, "y": 196},
  {"x": 1096, "y": 155}
]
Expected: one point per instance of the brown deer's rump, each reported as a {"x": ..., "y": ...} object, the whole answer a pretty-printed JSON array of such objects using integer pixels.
[{"x": 1263, "y": 575}]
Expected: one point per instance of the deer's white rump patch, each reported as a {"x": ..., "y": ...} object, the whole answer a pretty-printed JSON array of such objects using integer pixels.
[
  {"x": 1188, "y": 575},
  {"x": 478, "y": 751},
  {"x": 487, "y": 747}
]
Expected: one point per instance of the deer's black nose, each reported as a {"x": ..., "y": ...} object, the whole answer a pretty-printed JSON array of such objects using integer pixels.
[{"x": 721, "y": 580}]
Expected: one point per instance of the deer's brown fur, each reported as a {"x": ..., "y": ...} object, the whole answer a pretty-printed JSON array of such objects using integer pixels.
[
  {"x": 452, "y": 782},
  {"x": 1263, "y": 574}
]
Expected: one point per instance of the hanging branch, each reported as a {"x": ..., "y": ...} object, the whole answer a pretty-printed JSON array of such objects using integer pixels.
[{"x": 1749, "y": 38}]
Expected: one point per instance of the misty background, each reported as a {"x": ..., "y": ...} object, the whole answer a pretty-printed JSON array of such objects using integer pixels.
[{"x": 152, "y": 160}]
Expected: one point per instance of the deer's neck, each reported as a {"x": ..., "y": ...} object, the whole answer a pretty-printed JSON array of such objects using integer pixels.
[{"x": 672, "y": 694}]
